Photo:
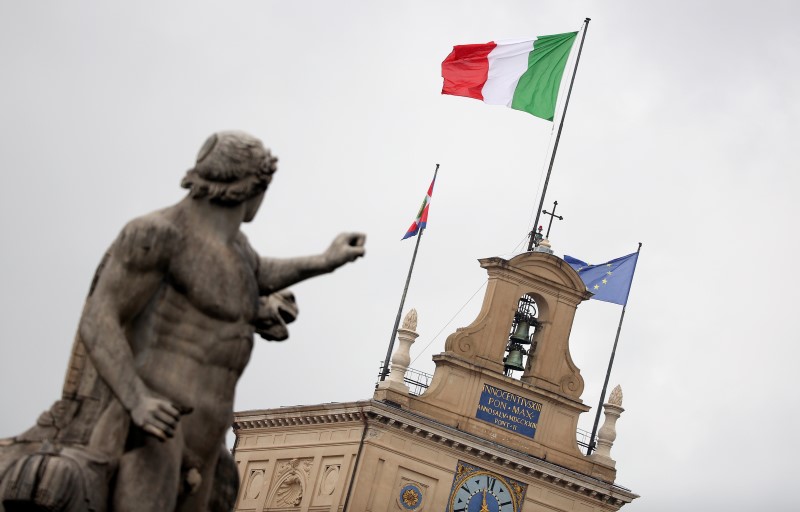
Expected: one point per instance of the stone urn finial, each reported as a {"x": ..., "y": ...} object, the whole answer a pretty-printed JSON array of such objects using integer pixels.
[
  {"x": 616, "y": 396},
  {"x": 608, "y": 432},
  {"x": 410, "y": 320},
  {"x": 402, "y": 355}
]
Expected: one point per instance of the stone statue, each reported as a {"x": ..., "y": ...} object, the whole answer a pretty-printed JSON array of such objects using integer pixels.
[{"x": 165, "y": 333}]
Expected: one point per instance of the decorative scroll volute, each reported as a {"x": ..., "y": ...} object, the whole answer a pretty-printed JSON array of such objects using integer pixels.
[{"x": 485, "y": 338}]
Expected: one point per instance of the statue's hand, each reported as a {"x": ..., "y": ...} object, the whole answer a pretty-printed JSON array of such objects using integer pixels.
[
  {"x": 345, "y": 248},
  {"x": 274, "y": 312},
  {"x": 156, "y": 416}
]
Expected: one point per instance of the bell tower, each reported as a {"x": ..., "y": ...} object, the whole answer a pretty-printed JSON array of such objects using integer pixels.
[
  {"x": 494, "y": 430},
  {"x": 522, "y": 329}
]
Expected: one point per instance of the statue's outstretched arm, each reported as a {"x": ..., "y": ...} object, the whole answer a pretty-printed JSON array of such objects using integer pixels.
[
  {"x": 276, "y": 274},
  {"x": 131, "y": 274}
]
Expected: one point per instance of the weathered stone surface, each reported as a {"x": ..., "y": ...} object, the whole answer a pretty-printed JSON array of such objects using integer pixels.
[{"x": 165, "y": 333}]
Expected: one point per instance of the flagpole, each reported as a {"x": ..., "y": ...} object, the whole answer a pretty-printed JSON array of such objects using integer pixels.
[
  {"x": 558, "y": 135},
  {"x": 385, "y": 369},
  {"x": 608, "y": 371}
]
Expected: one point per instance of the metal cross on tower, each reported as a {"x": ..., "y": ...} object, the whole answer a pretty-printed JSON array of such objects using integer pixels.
[{"x": 552, "y": 216}]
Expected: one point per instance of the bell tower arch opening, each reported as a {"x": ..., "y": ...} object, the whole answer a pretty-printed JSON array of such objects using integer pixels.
[{"x": 522, "y": 340}]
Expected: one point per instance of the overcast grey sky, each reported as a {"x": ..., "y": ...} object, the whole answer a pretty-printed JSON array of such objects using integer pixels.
[{"x": 682, "y": 134}]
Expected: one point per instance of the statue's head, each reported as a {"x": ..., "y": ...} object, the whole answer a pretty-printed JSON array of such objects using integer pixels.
[{"x": 231, "y": 168}]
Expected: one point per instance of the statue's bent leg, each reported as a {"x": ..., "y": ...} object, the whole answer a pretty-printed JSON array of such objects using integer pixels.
[
  {"x": 218, "y": 488},
  {"x": 226, "y": 483},
  {"x": 149, "y": 474}
]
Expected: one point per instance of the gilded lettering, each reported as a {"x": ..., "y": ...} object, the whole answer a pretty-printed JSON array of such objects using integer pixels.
[{"x": 507, "y": 410}]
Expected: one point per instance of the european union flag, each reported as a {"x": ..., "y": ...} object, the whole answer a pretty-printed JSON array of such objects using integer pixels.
[{"x": 609, "y": 282}]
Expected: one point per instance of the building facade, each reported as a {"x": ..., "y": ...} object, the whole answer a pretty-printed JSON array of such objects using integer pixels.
[{"x": 495, "y": 431}]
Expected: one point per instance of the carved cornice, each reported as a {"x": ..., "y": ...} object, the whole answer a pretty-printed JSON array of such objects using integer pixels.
[
  {"x": 530, "y": 390},
  {"x": 246, "y": 423},
  {"x": 565, "y": 294},
  {"x": 572, "y": 290},
  {"x": 391, "y": 418}
]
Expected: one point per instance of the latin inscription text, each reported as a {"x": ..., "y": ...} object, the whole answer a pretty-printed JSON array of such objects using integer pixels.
[{"x": 509, "y": 411}]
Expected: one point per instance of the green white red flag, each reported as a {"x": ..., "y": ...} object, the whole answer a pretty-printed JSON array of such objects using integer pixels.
[{"x": 521, "y": 74}]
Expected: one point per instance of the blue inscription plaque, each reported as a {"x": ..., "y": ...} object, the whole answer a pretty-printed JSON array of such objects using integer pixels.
[{"x": 509, "y": 411}]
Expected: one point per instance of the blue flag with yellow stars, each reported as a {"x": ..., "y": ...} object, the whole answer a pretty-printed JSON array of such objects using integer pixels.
[{"x": 609, "y": 282}]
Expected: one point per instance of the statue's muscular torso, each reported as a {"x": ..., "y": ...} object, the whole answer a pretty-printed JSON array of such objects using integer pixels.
[{"x": 193, "y": 338}]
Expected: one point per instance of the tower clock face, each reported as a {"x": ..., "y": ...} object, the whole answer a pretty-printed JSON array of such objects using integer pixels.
[
  {"x": 482, "y": 492},
  {"x": 479, "y": 490}
]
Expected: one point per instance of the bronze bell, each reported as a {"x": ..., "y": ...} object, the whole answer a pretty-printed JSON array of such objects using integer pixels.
[
  {"x": 513, "y": 361},
  {"x": 522, "y": 333}
]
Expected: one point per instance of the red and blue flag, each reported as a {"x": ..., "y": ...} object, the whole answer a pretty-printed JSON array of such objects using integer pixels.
[{"x": 422, "y": 216}]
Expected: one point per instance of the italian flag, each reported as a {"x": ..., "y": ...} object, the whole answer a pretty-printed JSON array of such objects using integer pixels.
[{"x": 524, "y": 75}]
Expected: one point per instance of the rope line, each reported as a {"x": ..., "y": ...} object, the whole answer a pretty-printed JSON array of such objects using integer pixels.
[
  {"x": 521, "y": 242},
  {"x": 449, "y": 322},
  {"x": 559, "y": 108}
]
